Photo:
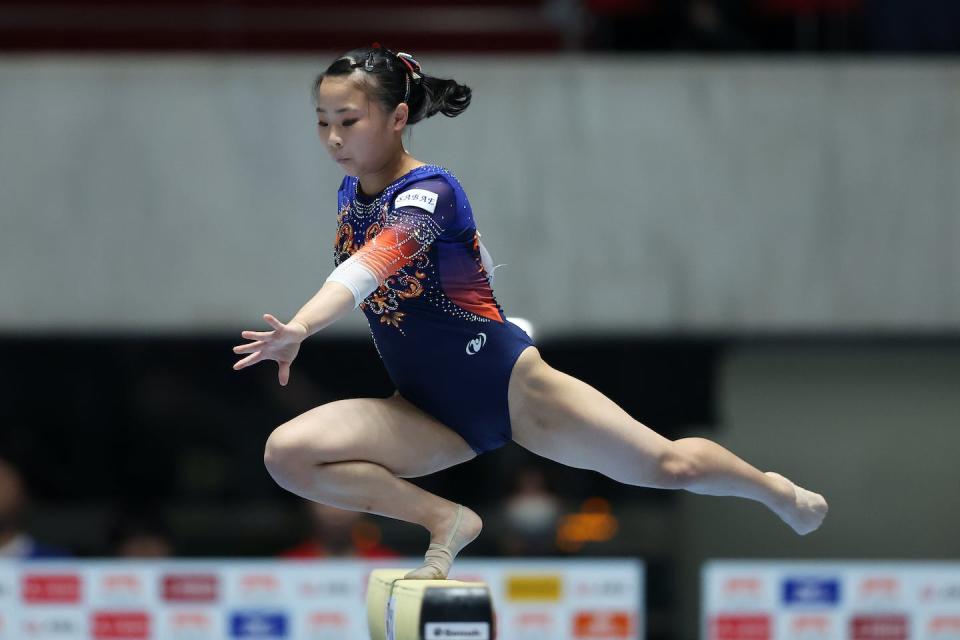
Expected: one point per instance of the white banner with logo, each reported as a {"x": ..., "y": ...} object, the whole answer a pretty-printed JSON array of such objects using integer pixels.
[
  {"x": 302, "y": 600},
  {"x": 865, "y": 600}
]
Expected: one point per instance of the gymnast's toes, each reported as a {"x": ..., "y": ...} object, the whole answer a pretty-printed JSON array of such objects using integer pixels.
[
  {"x": 805, "y": 513},
  {"x": 462, "y": 529},
  {"x": 812, "y": 508},
  {"x": 426, "y": 572}
]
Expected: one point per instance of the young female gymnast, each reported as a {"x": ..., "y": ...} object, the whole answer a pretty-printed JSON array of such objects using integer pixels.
[{"x": 468, "y": 381}]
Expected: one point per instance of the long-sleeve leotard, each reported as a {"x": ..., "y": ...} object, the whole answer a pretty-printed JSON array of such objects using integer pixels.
[
  {"x": 412, "y": 258},
  {"x": 424, "y": 215}
]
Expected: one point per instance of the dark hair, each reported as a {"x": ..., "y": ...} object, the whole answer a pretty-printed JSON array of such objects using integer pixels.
[{"x": 387, "y": 79}]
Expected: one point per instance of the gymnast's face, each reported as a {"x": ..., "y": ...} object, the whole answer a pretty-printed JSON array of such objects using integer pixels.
[{"x": 359, "y": 135}]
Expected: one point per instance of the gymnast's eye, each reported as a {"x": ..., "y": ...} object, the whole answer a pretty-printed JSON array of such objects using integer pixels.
[
  {"x": 349, "y": 123},
  {"x": 321, "y": 124}
]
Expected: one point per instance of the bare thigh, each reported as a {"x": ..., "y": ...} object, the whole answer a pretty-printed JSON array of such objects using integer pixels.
[
  {"x": 562, "y": 418},
  {"x": 390, "y": 432}
]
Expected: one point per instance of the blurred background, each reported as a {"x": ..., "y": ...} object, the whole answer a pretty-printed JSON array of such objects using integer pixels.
[{"x": 739, "y": 219}]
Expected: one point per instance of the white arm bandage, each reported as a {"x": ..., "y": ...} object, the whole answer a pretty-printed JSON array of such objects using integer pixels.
[
  {"x": 354, "y": 276},
  {"x": 487, "y": 261}
]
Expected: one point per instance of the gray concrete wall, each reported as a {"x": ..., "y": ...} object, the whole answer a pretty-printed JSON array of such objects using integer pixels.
[
  {"x": 624, "y": 194},
  {"x": 875, "y": 430}
]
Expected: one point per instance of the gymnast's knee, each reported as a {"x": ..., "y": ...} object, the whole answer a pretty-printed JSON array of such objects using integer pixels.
[
  {"x": 287, "y": 458},
  {"x": 677, "y": 467}
]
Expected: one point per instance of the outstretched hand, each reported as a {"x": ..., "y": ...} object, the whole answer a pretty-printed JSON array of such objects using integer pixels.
[{"x": 282, "y": 344}]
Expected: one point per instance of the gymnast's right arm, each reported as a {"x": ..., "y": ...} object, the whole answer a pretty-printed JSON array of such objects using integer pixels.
[
  {"x": 332, "y": 301},
  {"x": 408, "y": 233},
  {"x": 351, "y": 282},
  {"x": 283, "y": 343},
  {"x": 410, "y": 230}
]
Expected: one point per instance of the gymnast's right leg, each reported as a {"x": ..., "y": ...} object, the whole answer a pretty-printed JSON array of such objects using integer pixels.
[{"x": 353, "y": 454}]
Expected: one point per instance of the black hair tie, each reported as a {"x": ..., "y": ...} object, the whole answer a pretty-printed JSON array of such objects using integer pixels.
[{"x": 412, "y": 69}]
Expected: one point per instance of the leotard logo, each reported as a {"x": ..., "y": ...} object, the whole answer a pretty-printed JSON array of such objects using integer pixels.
[
  {"x": 476, "y": 344},
  {"x": 426, "y": 200}
]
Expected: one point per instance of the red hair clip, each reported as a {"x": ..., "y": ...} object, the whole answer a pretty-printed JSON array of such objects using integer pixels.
[{"x": 412, "y": 65}]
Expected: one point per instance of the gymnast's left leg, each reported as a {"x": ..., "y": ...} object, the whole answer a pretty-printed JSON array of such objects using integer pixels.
[{"x": 561, "y": 418}]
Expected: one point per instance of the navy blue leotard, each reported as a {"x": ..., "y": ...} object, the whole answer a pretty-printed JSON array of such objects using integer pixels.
[{"x": 441, "y": 334}]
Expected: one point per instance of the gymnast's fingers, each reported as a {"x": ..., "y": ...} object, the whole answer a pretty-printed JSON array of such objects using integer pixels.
[
  {"x": 283, "y": 373},
  {"x": 250, "y": 346},
  {"x": 249, "y": 360},
  {"x": 273, "y": 322},
  {"x": 256, "y": 335}
]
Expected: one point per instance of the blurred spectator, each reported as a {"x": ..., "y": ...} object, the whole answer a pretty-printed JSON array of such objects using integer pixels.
[
  {"x": 708, "y": 25},
  {"x": 915, "y": 26},
  {"x": 694, "y": 25},
  {"x": 769, "y": 25},
  {"x": 530, "y": 516},
  {"x": 339, "y": 533},
  {"x": 15, "y": 541},
  {"x": 620, "y": 24},
  {"x": 140, "y": 536},
  {"x": 812, "y": 25}
]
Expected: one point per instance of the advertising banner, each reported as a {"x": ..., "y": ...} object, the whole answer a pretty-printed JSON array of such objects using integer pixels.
[
  {"x": 796, "y": 600},
  {"x": 300, "y": 600}
]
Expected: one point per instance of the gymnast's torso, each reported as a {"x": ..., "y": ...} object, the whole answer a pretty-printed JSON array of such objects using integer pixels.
[{"x": 436, "y": 324}]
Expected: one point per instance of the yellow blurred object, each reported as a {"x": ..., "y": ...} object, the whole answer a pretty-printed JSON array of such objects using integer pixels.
[{"x": 534, "y": 588}]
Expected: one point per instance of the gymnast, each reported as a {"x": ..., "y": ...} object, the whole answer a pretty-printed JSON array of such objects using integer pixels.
[{"x": 408, "y": 254}]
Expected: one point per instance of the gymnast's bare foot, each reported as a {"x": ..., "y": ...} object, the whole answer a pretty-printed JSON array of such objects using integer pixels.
[
  {"x": 458, "y": 530},
  {"x": 805, "y": 512}
]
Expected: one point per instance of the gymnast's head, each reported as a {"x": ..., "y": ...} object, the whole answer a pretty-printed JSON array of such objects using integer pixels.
[{"x": 367, "y": 97}]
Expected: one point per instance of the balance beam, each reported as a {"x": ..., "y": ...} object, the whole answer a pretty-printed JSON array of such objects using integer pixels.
[{"x": 399, "y": 609}]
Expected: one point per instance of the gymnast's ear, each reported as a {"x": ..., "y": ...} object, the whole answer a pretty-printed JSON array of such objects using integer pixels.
[{"x": 400, "y": 116}]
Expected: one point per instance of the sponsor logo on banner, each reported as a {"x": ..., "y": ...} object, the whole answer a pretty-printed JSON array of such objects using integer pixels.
[
  {"x": 196, "y": 587},
  {"x": 879, "y": 590},
  {"x": 456, "y": 631},
  {"x": 879, "y": 627},
  {"x": 741, "y": 627},
  {"x": 609, "y": 588},
  {"x": 811, "y": 591},
  {"x": 190, "y": 625},
  {"x": 534, "y": 588},
  {"x": 326, "y": 625},
  {"x": 257, "y": 624},
  {"x": 603, "y": 624},
  {"x": 940, "y": 593},
  {"x": 810, "y": 627},
  {"x": 125, "y": 625},
  {"x": 43, "y": 627},
  {"x": 121, "y": 586},
  {"x": 323, "y": 589},
  {"x": 534, "y": 624},
  {"x": 742, "y": 591},
  {"x": 51, "y": 588},
  {"x": 943, "y": 628},
  {"x": 259, "y": 586}
]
